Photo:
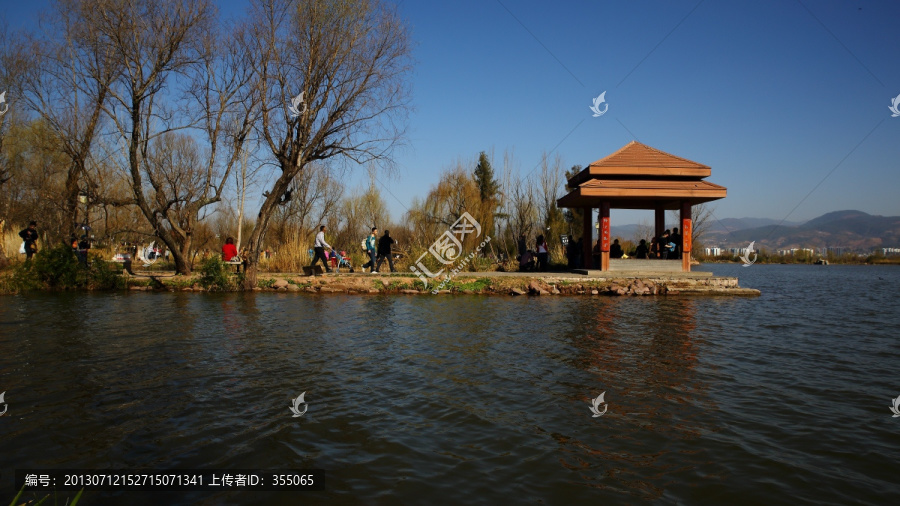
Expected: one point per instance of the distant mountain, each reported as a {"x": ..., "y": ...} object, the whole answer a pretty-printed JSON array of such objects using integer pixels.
[
  {"x": 625, "y": 232},
  {"x": 734, "y": 224},
  {"x": 724, "y": 225},
  {"x": 854, "y": 230}
]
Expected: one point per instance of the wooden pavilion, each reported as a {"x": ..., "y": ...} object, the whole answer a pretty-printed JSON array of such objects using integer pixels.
[{"x": 638, "y": 176}]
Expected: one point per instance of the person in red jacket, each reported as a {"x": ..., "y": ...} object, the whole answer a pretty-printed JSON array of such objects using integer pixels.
[{"x": 229, "y": 250}]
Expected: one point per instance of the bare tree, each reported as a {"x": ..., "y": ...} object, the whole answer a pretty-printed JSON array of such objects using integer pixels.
[
  {"x": 361, "y": 211},
  {"x": 161, "y": 45},
  {"x": 702, "y": 216},
  {"x": 701, "y": 219},
  {"x": 316, "y": 194},
  {"x": 523, "y": 211},
  {"x": 643, "y": 230},
  {"x": 550, "y": 184},
  {"x": 11, "y": 63},
  {"x": 346, "y": 64},
  {"x": 68, "y": 88}
]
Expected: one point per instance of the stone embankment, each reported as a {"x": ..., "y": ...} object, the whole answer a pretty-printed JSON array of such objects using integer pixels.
[{"x": 481, "y": 284}]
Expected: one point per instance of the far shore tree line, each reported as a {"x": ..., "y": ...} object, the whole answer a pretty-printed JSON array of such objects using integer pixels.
[{"x": 162, "y": 120}]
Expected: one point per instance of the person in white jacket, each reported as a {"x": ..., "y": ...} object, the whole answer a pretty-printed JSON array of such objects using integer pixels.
[{"x": 320, "y": 249}]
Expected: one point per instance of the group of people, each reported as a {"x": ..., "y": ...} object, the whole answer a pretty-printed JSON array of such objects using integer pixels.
[
  {"x": 536, "y": 259},
  {"x": 665, "y": 247},
  {"x": 378, "y": 250},
  {"x": 30, "y": 237}
]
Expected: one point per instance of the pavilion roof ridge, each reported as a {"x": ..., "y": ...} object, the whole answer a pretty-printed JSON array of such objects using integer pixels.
[{"x": 638, "y": 154}]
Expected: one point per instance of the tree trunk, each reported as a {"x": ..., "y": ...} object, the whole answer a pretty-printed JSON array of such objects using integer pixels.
[
  {"x": 3, "y": 260},
  {"x": 254, "y": 242}
]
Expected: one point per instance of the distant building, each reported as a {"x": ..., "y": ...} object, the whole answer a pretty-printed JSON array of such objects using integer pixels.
[
  {"x": 740, "y": 251},
  {"x": 795, "y": 251},
  {"x": 712, "y": 252},
  {"x": 835, "y": 250},
  {"x": 890, "y": 251}
]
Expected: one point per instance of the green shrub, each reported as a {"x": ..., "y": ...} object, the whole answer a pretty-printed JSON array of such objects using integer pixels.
[
  {"x": 216, "y": 276},
  {"x": 102, "y": 275},
  {"x": 59, "y": 269}
]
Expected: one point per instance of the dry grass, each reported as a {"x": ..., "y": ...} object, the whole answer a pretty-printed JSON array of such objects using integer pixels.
[
  {"x": 11, "y": 242},
  {"x": 289, "y": 257}
]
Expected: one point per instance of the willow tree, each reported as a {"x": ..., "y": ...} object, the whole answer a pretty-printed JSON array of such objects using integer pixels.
[{"x": 332, "y": 85}]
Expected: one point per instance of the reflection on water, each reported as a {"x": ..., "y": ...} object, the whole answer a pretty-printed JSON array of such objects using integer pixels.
[
  {"x": 643, "y": 355},
  {"x": 472, "y": 399}
]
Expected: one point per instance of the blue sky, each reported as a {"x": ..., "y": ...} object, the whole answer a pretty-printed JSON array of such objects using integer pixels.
[{"x": 772, "y": 94}]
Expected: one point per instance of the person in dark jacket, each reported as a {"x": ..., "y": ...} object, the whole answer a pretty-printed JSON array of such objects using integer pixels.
[
  {"x": 384, "y": 251},
  {"x": 642, "y": 250},
  {"x": 665, "y": 245},
  {"x": 29, "y": 237},
  {"x": 615, "y": 251},
  {"x": 522, "y": 246},
  {"x": 83, "y": 246},
  {"x": 675, "y": 238}
]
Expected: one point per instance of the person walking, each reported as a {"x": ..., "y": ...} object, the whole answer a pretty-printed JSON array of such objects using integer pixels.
[
  {"x": 29, "y": 237},
  {"x": 319, "y": 249},
  {"x": 371, "y": 243},
  {"x": 384, "y": 250}
]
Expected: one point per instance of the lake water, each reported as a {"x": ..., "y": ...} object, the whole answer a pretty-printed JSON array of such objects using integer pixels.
[{"x": 782, "y": 398}]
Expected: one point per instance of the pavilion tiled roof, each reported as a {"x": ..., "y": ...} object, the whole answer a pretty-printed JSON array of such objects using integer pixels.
[
  {"x": 636, "y": 159},
  {"x": 638, "y": 176}
]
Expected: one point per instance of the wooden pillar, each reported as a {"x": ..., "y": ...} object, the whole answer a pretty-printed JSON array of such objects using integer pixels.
[
  {"x": 659, "y": 219},
  {"x": 604, "y": 235},
  {"x": 686, "y": 232},
  {"x": 587, "y": 235}
]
